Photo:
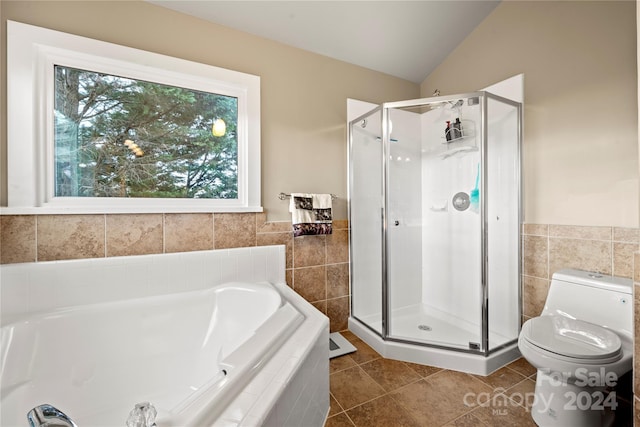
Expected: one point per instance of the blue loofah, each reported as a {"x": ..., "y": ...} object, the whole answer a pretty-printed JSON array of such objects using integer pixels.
[{"x": 474, "y": 195}]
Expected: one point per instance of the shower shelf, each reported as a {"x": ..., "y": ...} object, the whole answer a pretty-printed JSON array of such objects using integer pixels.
[
  {"x": 458, "y": 150},
  {"x": 462, "y": 138},
  {"x": 468, "y": 131},
  {"x": 462, "y": 145}
]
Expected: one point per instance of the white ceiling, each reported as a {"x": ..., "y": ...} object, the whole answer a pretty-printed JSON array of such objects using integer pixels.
[{"x": 407, "y": 39}]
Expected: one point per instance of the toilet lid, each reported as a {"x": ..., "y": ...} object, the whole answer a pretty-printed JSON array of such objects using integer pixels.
[{"x": 571, "y": 337}]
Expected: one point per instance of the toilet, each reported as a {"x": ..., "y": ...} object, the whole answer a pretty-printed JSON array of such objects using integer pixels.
[{"x": 581, "y": 344}]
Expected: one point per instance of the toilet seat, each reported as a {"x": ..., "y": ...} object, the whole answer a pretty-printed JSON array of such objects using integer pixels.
[{"x": 572, "y": 338}]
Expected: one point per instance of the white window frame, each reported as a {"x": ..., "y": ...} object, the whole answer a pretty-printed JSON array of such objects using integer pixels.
[{"x": 32, "y": 53}]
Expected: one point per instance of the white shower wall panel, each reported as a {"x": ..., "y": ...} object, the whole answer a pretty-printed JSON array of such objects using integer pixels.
[
  {"x": 451, "y": 239},
  {"x": 404, "y": 195},
  {"x": 366, "y": 239}
]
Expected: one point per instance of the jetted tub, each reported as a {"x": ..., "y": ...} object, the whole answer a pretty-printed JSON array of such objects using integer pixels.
[{"x": 194, "y": 356}]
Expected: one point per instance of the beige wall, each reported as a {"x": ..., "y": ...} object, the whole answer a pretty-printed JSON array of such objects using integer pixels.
[
  {"x": 580, "y": 148},
  {"x": 303, "y": 94},
  {"x": 580, "y": 129}
]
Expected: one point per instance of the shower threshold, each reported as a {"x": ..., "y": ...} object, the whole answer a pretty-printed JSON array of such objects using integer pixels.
[{"x": 405, "y": 327}]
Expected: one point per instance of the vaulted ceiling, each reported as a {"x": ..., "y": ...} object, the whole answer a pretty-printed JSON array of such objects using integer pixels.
[{"x": 406, "y": 39}]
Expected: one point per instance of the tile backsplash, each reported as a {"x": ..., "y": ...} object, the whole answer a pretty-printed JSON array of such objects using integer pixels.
[
  {"x": 548, "y": 248},
  {"x": 316, "y": 266}
]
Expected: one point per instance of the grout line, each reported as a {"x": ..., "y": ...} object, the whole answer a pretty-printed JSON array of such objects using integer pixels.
[
  {"x": 534, "y": 277},
  {"x": 399, "y": 402},
  {"x": 290, "y": 233},
  {"x": 293, "y": 256},
  {"x": 164, "y": 237},
  {"x": 105, "y": 234},
  {"x": 213, "y": 231},
  {"x": 384, "y": 392},
  {"x": 548, "y": 257},
  {"x": 464, "y": 415},
  {"x": 338, "y": 403},
  {"x": 612, "y": 265},
  {"x": 349, "y": 418},
  {"x": 580, "y": 238},
  {"x": 523, "y": 404},
  {"x": 36, "y": 237},
  {"x": 368, "y": 401},
  {"x": 326, "y": 272},
  {"x": 343, "y": 369},
  {"x": 517, "y": 372},
  {"x": 319, "y": 265},
  {"x": 428, "y": 376}
]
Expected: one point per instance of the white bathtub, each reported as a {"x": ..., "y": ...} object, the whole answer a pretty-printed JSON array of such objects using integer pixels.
[{"x": 224, "y": 355}]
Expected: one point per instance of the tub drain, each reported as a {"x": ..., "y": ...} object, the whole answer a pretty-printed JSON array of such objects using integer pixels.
[{"x": 424, "y": 327}]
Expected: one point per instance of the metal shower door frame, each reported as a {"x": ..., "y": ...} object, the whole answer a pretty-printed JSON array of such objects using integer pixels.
[{"x": 484, "y": 96}]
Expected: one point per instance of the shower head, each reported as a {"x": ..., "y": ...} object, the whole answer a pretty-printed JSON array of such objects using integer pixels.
[{"x": 451, "y": 105}]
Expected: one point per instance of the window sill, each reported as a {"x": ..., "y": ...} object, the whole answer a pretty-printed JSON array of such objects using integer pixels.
[{"x": 50, "y": 210}]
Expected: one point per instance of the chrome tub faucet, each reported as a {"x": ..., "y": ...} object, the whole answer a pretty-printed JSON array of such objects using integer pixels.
[
  {"x": 48, "y": 416},
  {"x": 45, "y": 415}
]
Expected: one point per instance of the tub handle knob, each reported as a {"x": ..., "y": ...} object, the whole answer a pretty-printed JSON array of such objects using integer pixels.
[{"x": 142, "y": 415}]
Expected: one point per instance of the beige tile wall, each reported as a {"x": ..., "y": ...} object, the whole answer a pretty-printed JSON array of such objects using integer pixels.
[
  {"x": 317, "y": 266},
  {"x": 549, "y": 248}
]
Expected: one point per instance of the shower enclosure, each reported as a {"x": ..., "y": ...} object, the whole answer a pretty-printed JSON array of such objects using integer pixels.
[{"x": 434, "y": 209}]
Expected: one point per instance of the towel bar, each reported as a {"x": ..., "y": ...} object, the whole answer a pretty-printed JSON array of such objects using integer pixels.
[{"x": 283, "y": 196}]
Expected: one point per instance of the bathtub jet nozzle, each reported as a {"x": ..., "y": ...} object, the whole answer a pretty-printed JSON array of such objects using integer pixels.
[{"x": 46, "y": 415}]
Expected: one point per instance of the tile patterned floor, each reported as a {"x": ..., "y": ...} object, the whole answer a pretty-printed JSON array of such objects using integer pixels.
[{"x": 370, "y": 391}]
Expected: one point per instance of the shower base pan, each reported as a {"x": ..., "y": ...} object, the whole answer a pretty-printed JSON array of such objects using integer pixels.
[
  {"x": 425, "y": 323},
  {"x": 435, "y": 356}
]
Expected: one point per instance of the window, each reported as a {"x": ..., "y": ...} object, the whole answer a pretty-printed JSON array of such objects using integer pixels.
[
  {"x": 120, "y": 137},
  {"x": 127, "y": 130}
]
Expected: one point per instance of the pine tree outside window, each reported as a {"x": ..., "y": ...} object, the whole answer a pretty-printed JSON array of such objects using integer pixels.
[{"x": 120, "y": 137}]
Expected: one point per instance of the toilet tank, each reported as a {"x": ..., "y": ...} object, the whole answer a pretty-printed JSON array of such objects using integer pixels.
[{"x": 597, "y": 298}]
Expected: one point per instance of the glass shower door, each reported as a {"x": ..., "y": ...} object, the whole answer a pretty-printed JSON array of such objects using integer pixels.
[
  {"x": 434, "y": 246},
  {"x": 503, "y": 220},
  {"x": 365, "y": 212}
]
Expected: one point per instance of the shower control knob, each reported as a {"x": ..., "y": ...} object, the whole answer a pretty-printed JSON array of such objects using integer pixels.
[{"x": 460, "y": 201}]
